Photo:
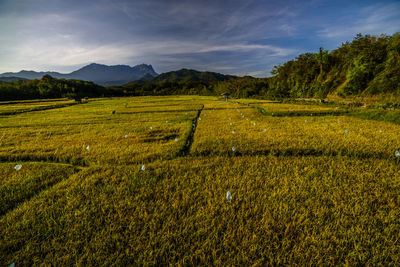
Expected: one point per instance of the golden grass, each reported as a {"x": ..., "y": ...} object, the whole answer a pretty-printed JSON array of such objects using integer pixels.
[
  {"x": 121, "y": 138},
  {"x": 255, "y": 134},
  {"x": 284, "y": 210},
  {"x": 303, "y": 193},
  {"x": 10, "y": 107},
  {"x": 18, "y": 186}
]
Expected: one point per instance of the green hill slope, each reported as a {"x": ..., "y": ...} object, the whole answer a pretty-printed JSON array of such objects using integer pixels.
[{"x": 368, "y": 65}]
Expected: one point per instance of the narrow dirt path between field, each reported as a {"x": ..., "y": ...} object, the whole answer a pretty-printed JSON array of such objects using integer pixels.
[{"x": 189, "y": 140}]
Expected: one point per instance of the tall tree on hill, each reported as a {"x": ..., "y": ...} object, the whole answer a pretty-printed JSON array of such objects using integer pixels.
[{"x": 323, "y": 60}]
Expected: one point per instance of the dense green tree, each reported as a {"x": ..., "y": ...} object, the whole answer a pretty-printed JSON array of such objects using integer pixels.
[
  {"x": 367, "y": 65},
  {"x": 49, "y": 87}
]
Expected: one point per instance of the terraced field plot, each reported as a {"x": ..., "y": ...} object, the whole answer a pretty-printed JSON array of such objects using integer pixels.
[
  {"x": 97, "y": 132},
  {"x": 253, "y": 134},
  {"x": 144, "y": 181},
  {"x": 7, "y": 108}
]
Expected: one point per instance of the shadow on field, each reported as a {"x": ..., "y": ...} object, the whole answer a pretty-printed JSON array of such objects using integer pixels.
[
  {"x": 294, "y": 114},
  {"x": 296, "y": 153},
  {"x": 14, "y": 195},
  {"x": 161, "y": 139},
  {"x": 51, "y": 158},
  {"x": 31, "y": 101},
  {"x": 308, "y": 113},
  {"x": 222, "y": 108},
  {"x": 155, "y": 106},
  {"x": 7, "y": 113},
  {"x": 185, "y": 150}
]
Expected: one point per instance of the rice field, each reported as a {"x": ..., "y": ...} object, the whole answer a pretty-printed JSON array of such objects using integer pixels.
[
  {"x": 14, "y": 107},
  {"x": 145, "y": 181}
]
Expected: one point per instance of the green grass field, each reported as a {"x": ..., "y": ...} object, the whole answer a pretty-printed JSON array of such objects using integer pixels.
[{"x": 143, "y": 181}]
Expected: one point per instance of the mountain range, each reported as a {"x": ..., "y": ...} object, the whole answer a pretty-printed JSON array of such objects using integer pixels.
[
  {"x": 188, "y": 75},
  {"x": 97, "y": 73}
]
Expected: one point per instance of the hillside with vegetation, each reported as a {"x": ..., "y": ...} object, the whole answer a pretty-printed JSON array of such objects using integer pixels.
[
  {"x": 181, "y": 82},
  {"x": 185, "y": 75},
  {"x": 49, "y": 87},
  {"x": 369, "y": 65}
]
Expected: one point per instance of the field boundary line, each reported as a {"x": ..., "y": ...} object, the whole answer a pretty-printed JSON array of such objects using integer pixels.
[
  {"x": 294, "y": 114},
  {"x": 189, "y": 139},
  {"x": 296, "y": 153},
  {"x": 39, "y": 109},
  {"x": 44, "y": 159},
  {"x": 157, "y": 111},
  {"x": 34, "y": 193}
]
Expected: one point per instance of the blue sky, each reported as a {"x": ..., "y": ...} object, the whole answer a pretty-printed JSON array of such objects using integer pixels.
[{"x": 228, "y": 36}]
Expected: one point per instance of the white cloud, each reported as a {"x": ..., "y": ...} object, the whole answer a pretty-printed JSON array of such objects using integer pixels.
[
  {"x": 178, "y": 34},
  {"x": 278, "y": 51},
  {"x": 260, "y": 73},
  {"x": 376, "y": 19}
]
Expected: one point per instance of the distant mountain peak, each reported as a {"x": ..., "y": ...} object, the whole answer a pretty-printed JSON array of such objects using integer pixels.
[{"x": 95, "y": 72}]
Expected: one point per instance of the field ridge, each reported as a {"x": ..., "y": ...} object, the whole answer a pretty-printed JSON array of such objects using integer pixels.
[
  {"x": 8, "y": 113},
  {"x": 185, "y": 150}
]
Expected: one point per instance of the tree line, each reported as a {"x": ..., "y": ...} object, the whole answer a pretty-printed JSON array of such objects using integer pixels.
[
  {"x": 368, "y": 65},
  {"x": 49, "y": 87}
]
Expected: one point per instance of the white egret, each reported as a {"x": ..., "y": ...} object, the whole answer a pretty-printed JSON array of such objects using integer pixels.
[
  {"x": 228, "y": 195},
  {"x": 18, "y": 167}
]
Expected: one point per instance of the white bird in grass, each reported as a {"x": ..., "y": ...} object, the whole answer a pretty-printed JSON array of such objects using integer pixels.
[
  {"x": 397, "y": 154},
  {"x": 143, "y": 167},
  {"x": 233, "y": 149},
  {"x": 18, "y": 167},
  {"x": 87, "y": 148},
  {"x": 228, "y": 196}
]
